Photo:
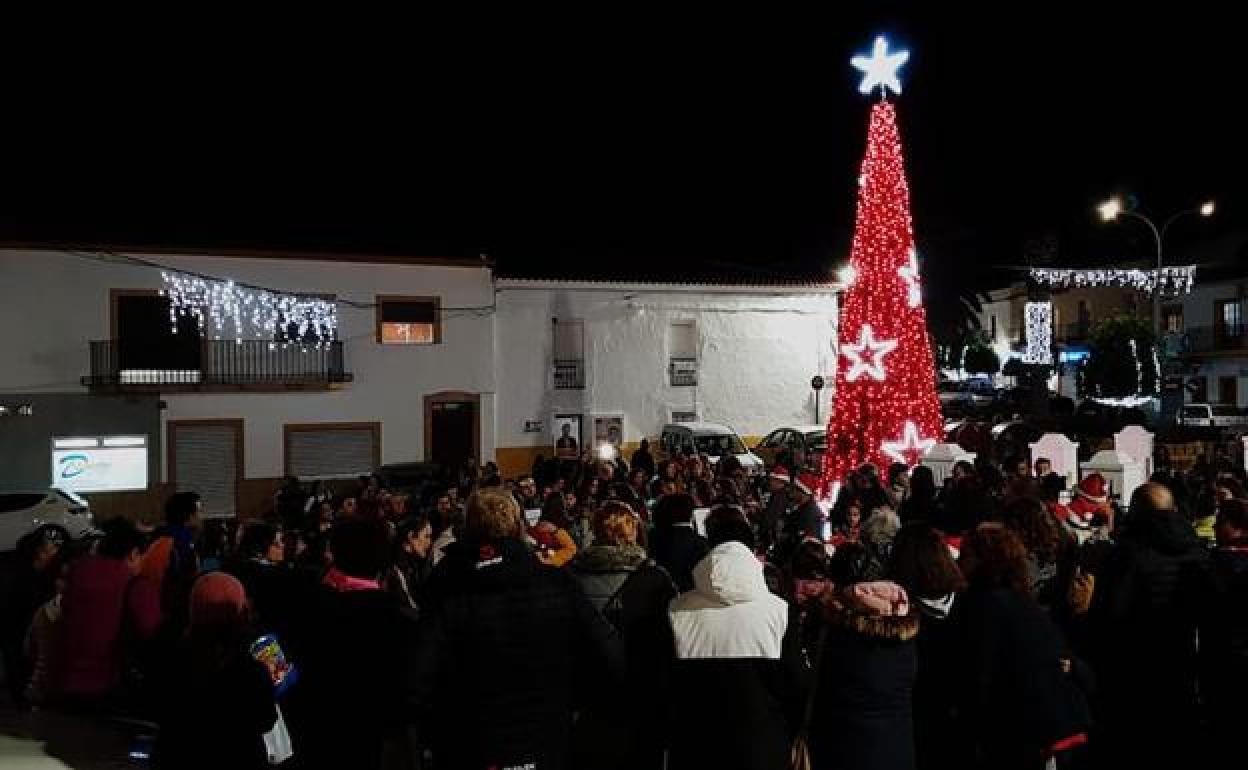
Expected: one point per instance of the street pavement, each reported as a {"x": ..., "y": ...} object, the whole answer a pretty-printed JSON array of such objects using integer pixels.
[{"x": 45, "y": 740}]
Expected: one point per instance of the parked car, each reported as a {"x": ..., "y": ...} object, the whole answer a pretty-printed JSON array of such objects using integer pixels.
[
  {"x": 811, "y": 441},
  {"x": 1211, "y": 416},
  {"x": 975, "y": 392},
  {"x": 707, "y": 438},
  {"x": 63, "y": 513}
]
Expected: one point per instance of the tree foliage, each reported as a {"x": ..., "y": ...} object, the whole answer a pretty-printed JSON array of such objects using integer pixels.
[{"x": 1113, "y": 369}]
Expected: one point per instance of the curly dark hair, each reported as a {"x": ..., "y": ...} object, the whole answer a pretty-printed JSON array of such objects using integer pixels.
[
  {"x": 995, "y": 557},
  {"x": 922, "y": 564},
  {"x": 1035, "y": 526}
]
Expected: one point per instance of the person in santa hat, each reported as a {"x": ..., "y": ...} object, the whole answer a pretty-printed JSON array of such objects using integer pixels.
[
  {"x": 778, "y": 481},
  {"x": 1089, "y": 513}
]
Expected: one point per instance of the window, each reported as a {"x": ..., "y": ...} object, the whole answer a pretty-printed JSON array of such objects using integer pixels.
[
  {"x": 145, "y": 345},
  {"x": 679, "y": 415},
  {"x": 569, "y": 354},
  {"x": 333, "y": 449},
  {"x": 1229, "y": 318},
  {"x": 994, "y": 327},
  {"x": 682, "y": 345},
  {"x": 409, "y": 320},
  {"x": 1172, "y": 319}
]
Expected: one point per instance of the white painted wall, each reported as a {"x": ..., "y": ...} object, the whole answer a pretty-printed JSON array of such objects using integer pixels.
[
  {"x": 1198, "y": 311},
  {"x": 52, "y": 304},
  {"x": 758, "y": 349}
]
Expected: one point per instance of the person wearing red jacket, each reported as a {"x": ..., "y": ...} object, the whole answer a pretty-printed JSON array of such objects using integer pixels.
[
  {"x": 1089, "y": 510},
  {"x": 105, "y": 605}
]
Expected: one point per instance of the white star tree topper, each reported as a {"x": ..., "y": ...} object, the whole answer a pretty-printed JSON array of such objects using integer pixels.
[
  {"x": 909, "y": 273},
  {"x": 880, "y": 68},
  {"x": 911, "y": 443},
  {"x": 867, "y": 356}
]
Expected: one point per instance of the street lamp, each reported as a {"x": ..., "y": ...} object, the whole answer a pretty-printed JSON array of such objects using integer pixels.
[{"x": 1113, "y": 208}]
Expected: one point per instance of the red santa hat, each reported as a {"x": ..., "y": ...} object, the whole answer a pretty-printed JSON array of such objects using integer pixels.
[
  {"x": 1093, "y": 488},
  {"x": 781, "y": 473},
  {"x": 806, "y": 482}
]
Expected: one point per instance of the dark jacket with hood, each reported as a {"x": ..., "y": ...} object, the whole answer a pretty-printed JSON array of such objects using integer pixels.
[
  {"x": 1145, "y": 612},
  {"x": 863, "y": 715},
  {"x": 506, "y": 651},
  {"x": 628, "y": 729},
  {"x": 937, "y": 743},
  {"x": 739, "y": 677}
]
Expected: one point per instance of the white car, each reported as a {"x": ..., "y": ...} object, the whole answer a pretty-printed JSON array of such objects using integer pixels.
[
  {"x": 65, "y": 513},
  {"x": 710, "y": 439}
]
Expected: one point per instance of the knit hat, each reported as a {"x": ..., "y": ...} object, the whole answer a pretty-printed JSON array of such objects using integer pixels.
[
  {"x": 1093, "y": 488},
  {"x": 881, "y": 597},
  {"x": 217, "y": 599},
  {"x": 806, "y": 482},
  {"x": 781, "y": 473}
]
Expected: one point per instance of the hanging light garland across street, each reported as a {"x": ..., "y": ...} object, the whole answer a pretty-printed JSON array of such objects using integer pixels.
[{"x": 1167, "y": 280}]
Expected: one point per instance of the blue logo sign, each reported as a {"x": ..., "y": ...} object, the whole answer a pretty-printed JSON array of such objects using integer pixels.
[{"x": 73, "y": 466}]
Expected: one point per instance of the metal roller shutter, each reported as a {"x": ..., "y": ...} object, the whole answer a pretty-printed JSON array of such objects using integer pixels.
[
  {"x": 331, "y": 452},
  {"x": 207, "y": 463}
]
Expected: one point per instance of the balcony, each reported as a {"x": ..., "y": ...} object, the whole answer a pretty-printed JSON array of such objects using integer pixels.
[
  {"x": 683, "y": 372},
  {"x": 569, "y": 374},
  {"x": 217, "y": 366},
  {"x": 1213, "y": 341}
]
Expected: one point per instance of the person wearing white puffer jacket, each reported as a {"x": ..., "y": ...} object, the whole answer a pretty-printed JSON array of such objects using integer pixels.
[{"x": 739, "y": 677}]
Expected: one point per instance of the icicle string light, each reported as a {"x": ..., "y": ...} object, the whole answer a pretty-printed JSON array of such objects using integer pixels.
[
  {"x": 223, "y": 309},
  {"x": 1167, "y": 280},
  {"x": 895, "y": 416}
]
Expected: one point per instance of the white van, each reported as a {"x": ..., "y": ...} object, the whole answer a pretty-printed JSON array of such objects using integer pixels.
[{"x": 707, "y": 438}]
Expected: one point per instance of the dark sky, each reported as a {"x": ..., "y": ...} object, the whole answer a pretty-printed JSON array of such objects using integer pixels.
[{"x": 572, "y": 143}]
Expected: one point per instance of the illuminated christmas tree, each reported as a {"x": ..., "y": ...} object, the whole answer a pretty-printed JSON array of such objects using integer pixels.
[{"x": 885, "y": 409}]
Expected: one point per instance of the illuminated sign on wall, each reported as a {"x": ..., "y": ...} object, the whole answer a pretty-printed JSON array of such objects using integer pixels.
[{"x": 100, "y": 463}]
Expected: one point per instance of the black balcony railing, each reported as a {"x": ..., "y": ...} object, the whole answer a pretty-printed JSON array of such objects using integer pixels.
[
  {"x": 569, "y": 373},
  {"x": 1211, "y": 339},
  {"x": 683, "y": 372},
  {"x": 219, "y": 363}
]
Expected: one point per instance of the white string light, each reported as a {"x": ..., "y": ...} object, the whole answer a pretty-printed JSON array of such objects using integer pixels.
[
  {"x": 1167, "y": 280},
  {"x": 282, "y": 318},
  {"x": 1139, "y": 399},
  {"x": 1038, "y": 323}
]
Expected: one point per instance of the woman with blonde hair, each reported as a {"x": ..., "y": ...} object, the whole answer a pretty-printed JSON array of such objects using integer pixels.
[{"x": 632, "y": 593}]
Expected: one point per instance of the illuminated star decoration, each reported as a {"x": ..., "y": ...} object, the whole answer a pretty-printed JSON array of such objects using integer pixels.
[
  {"x": 867, "y": 356},
  {"x": 910, "y": 445},
  {"x": 880, "y": 68},
  {"x": 909, "y": 273}
]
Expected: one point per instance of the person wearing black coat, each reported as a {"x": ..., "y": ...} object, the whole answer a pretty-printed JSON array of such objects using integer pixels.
[
  {"x": 1224, "y": 639},
  {"x": 626, "y": 730},
  {"x": 507, "y": 649},
  {"x": 1149, "y": 598},
  {"x": 352, "y": 647},
  {"x": 271, "y": 587},
  {"x": 1018, "y": 701},
  {"x": 675, "y": 545}
]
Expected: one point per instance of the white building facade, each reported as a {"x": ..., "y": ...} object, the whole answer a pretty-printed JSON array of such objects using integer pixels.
[{"x": 435, "y": 360}]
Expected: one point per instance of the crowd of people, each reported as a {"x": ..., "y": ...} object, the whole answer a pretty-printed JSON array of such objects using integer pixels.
[{"x": 674, "y": 614}]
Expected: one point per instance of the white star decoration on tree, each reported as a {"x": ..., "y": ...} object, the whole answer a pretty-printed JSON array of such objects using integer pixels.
[
  {"x": 867, "y": 356},
  {"x": 909, "y": 273},
  {"x": 880, "y": 68},
  {"x": 911, "y": 444}
]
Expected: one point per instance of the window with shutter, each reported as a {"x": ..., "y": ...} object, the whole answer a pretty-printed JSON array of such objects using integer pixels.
[
  {"x": 205, "y": 457},
  {"x": 332, "y": 450}
]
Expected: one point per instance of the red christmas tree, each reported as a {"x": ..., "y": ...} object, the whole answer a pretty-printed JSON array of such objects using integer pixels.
[{"x": 885, "y": 409}]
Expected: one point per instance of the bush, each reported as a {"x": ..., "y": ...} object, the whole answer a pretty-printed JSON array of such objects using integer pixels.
[{"x": 1111, "y": 370}]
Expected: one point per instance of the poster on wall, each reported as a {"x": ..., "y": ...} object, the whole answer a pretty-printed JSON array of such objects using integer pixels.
[
  {"x": 608, "y": 435},
  {"x": 567, "y": 428},
  {"x": 99, "y": 464}
]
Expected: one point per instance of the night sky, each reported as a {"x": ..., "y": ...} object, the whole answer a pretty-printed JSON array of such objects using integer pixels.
[{"x": 644, "y": 144}]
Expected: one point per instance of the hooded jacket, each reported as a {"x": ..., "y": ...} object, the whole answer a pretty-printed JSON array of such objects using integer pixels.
[
  {"x": 1224, "y": 639},
  {"x": 863, "y": 711},
  {"x": 739, "y": 675},
  {"x": 506, "y": 651}
]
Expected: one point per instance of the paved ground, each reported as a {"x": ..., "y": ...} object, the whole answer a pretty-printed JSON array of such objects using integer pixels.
[{"x": 50, "y": 741}]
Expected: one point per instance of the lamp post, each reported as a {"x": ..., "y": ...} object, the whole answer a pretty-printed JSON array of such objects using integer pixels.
[{"x": 1112, "y": 209}]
